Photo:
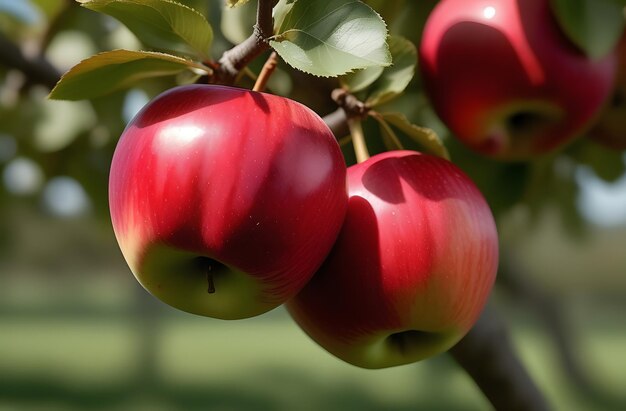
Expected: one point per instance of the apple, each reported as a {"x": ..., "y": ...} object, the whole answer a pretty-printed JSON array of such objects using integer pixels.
[
  {"x": 506, "y": 80},
  {"x": 225, "y": 201},
  {"x": 610, "y": 128},
  {"x": 411, "y": 269}
]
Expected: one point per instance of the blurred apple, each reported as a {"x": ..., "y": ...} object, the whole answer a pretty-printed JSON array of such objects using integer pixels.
[
  {"x": 506, "y": 80},
  {"x": 412, "y": 268},
  {"x": 225, "y": 201}
]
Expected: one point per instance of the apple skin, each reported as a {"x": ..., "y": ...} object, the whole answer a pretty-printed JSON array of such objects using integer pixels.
[
  {"x": 610, "y": 128},
  {"x": 506, "y": 80},
  {"x": 411, "y": 269},
  {"x": 245, "y": 187}
]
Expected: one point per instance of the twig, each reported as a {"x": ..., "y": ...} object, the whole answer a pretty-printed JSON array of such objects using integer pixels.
[
  {"x": 235, "y": 59},
  {"x": 337, "y": 121},
  {"x": 266, "y": 72},
  {"x": 37, "y": 70},
  {"x": 353, "y": 107}
]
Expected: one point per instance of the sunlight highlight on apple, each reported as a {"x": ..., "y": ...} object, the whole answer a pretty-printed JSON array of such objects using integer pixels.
[
  {"x": 489, "y": 12},
  {"x": 177, "y": 135}
]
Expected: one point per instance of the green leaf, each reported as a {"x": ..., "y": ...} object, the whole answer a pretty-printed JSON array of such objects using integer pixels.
[
  {"x": 235, "y": 3},
  {"x": 385, "y": 83},
  {"x": 593, "y": 25},
  {"x": 397, "y": 77},
  {"x": 281, "y": 11},
  {"x": 391, "y": 140},
  {"x": 330, "y": 38},
  {"x": 425, "y": 137},
  {"x": 117, "y": 69},
  {"x": 161, "y": 24},
  {"x": 361, "y": 79}
]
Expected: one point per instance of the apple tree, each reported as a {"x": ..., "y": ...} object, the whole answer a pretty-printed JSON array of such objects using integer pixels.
[{"x": 352, "y": 160}]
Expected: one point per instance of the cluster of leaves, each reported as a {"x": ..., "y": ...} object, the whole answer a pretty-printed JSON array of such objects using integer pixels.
[
  {"x": 182, "y": 42},
  {"x": 328, "y": 40},
  {"x": 344, "y": 38}
]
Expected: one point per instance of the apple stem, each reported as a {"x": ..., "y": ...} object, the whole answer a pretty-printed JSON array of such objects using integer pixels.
[
  {"x": 266, "y": 72},
  {"x": 209, "y": 278},
  {"x": 358, "y": 139}
]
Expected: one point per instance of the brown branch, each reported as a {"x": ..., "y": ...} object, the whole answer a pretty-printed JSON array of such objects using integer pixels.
[
  {"x": 487, "y": 355},
  {"x": 235, "y": 59},
  {"x": 337, "y": 121},
  {"x": 37, "y": 70},
  {"x": 349, "y": 107}
]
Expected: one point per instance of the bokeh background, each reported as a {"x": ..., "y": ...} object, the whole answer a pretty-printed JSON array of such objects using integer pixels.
[{"x": 77, "y": 332}]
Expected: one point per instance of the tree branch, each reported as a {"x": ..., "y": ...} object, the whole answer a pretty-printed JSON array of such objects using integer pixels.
[
  {"x": 235, "y": 59},
  {"x": 487, "y": 355},
  {"x": 38, "y": 70},
  {"x": 337, "y": 121},
  {"x": 349, "y": 107}
]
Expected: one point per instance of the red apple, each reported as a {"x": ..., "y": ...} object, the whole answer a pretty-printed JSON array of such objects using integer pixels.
[
  {"x": 506, "y": 80},
  {"x": 225, "y": 201},
  {"x": 411, "y": 269},
  {"x": 610, "y": 128}
]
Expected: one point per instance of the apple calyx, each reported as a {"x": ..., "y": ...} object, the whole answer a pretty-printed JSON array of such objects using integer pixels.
[{"x": 515, "y": 127}]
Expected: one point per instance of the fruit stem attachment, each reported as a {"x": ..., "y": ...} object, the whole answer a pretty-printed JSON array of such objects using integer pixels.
[
  {"x": 355, "y": 111},
  {"x": 358, "y": 139},
  {"x": 266, "y": 72},
  {"x": 209, "y": 279}
]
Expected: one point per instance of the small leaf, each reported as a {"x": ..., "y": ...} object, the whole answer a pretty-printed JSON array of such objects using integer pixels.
[
  {"x": 396, "y": 78},
  {"x": 361, "y": 79},
  {"x": 425, "y": 137},
  {"x": 117, "y": 69},
  {"x": 593, "y": 25},
  {"x": 330, "y": 38},
  {"x": 235, "y": 3},
  {"x": 161, "y": 24},
  {"x": 281, "y": 11},
  {"x": 391, "y": 140}
]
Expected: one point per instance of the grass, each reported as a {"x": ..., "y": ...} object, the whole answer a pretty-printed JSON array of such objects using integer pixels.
[{"x": 189, "y": 363}]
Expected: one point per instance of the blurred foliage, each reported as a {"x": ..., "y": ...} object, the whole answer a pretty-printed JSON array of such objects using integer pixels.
[{"x": 537, "y": 205}]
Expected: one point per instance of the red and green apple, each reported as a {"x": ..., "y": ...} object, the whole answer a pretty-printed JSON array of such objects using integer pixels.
[
  {"x": 225, "y": 201},
  {"x": 412, "y": 267},
  {"x": 506, "y": 80}
]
